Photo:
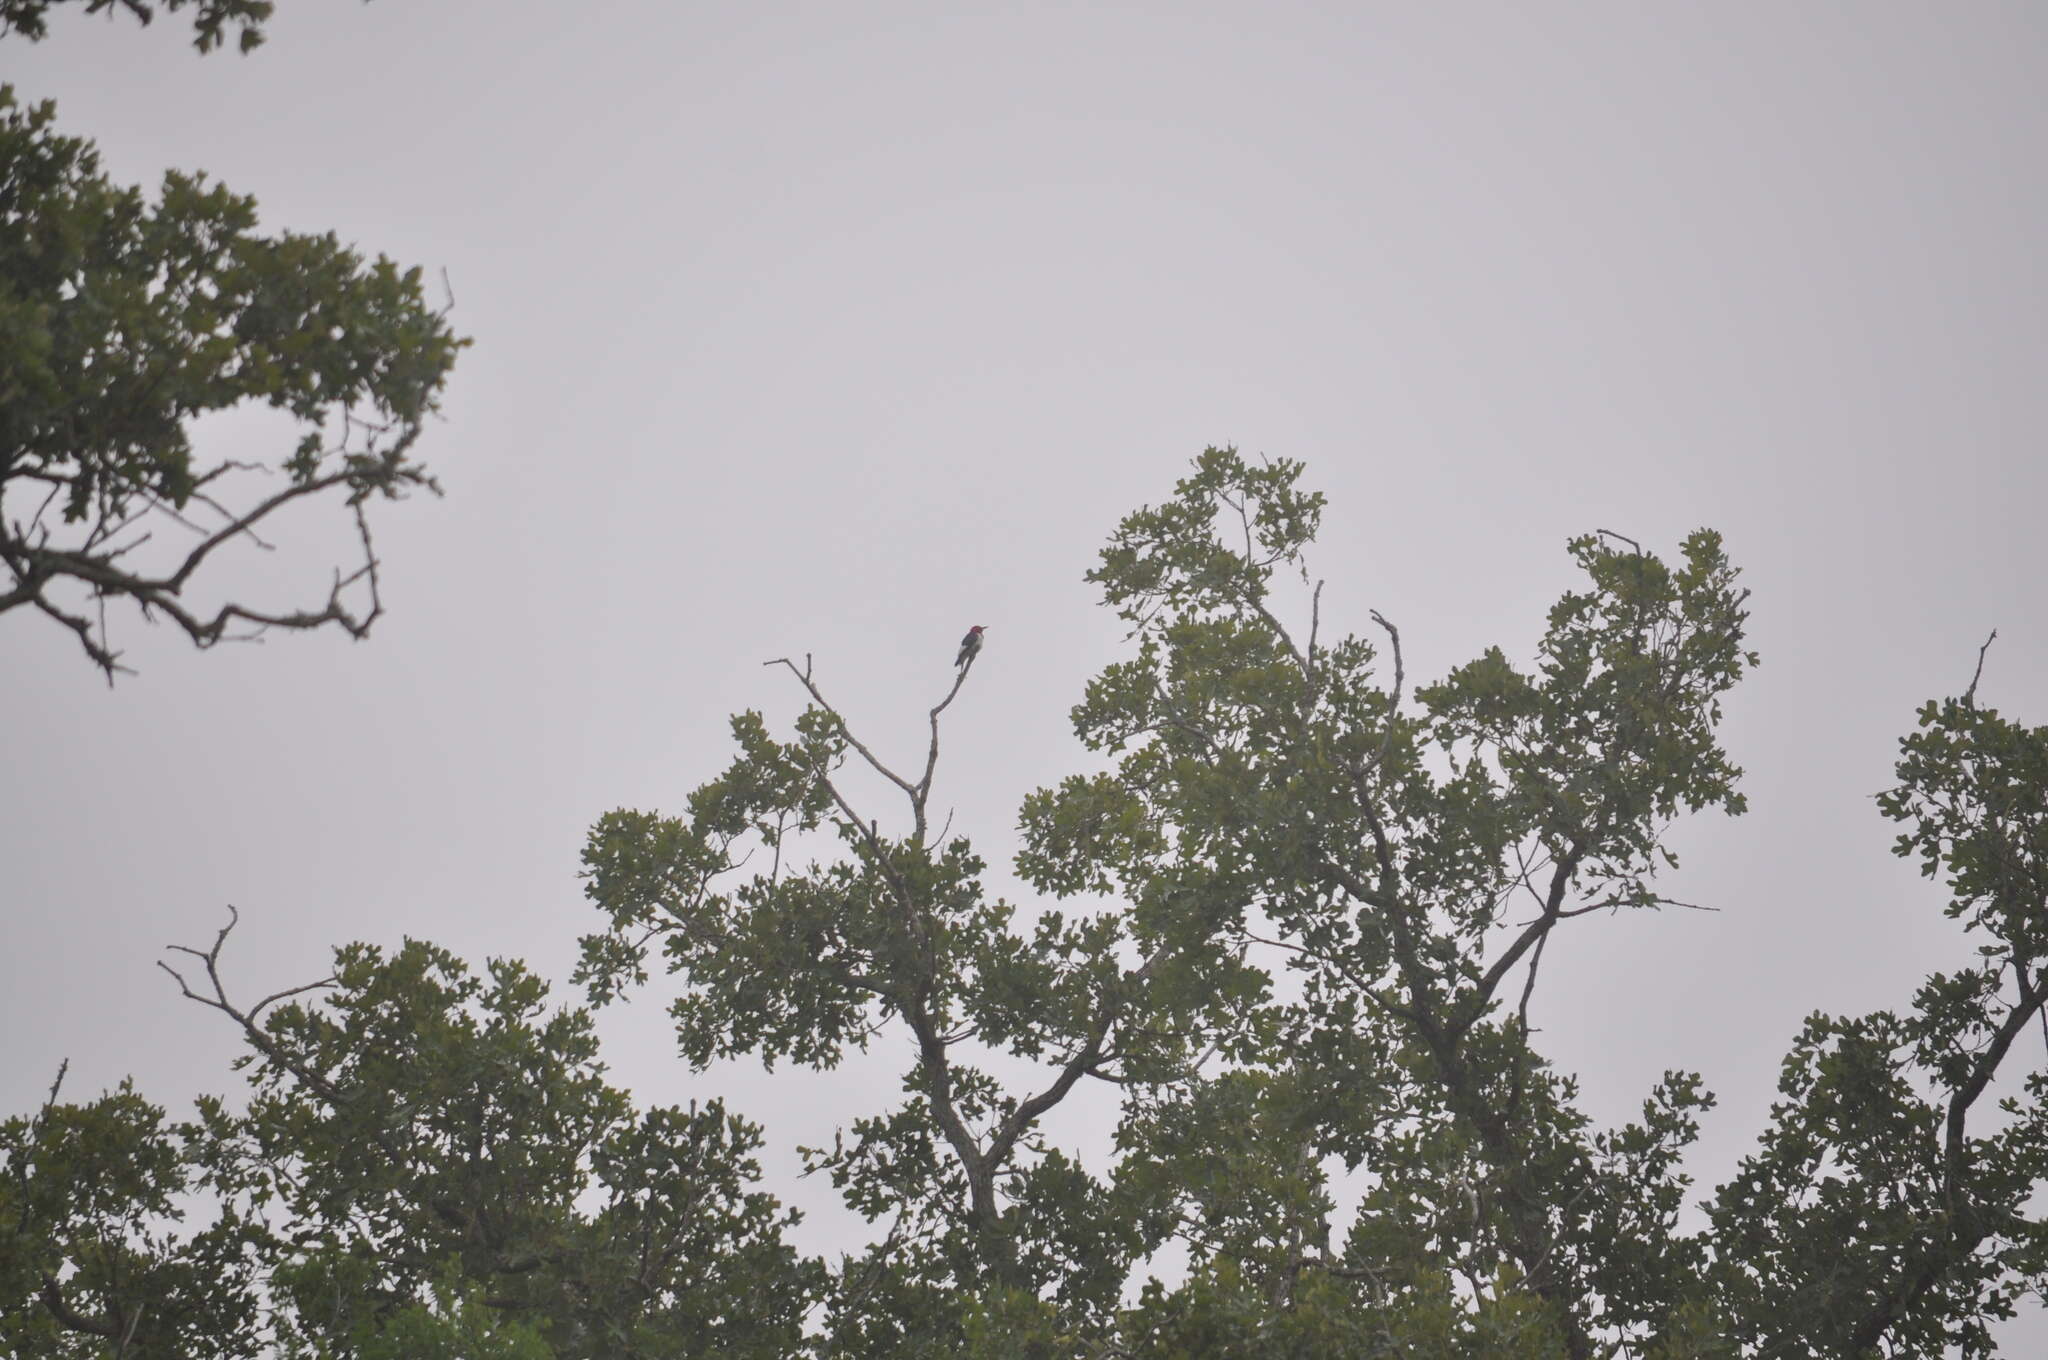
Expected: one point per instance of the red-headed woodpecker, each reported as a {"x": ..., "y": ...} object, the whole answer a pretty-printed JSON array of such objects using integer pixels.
[{"x": 970, "y": 646}]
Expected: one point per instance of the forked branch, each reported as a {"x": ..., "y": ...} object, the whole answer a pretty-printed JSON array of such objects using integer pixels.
[
  {"x": 919, "y": 793},
  {"x": 37, "y": 567},
  {"x": 248, "y": 1018}
]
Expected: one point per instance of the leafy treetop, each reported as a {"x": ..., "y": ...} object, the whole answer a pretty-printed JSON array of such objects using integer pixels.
[{"x": 121, "y": 322}]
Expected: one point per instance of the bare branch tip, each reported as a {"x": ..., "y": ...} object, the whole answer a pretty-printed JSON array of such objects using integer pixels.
[
  {"x": 63, "y": 1067},
  {"x": 1970, "y": 694},
  {"x": 1624, "y": 538}
]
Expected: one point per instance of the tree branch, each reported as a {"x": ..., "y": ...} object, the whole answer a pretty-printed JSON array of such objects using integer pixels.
[
  {"x": 1959, "y": 1230},
  {"x": 269, "y": 1047},
  {"x": 804, "y": 678},
  {"x": 1970, "y": 694},
  {"x": 73, "y": 1320},
  {"x": 36, "y": 566},
  {"x": 931, "y": 759},
  {"x": 1090, "y": 1053}
]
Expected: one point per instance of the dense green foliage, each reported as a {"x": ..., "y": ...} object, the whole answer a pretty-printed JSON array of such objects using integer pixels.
[
  {"x": 122, "y": 321},
  {"x": 1288, "y": 928},
  {"x": 1295, "y": 926},
  {"x": 429, "y": 1162}
]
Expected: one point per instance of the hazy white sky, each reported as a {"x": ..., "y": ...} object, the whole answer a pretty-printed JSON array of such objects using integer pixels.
[{"x": 836, "y": 328}]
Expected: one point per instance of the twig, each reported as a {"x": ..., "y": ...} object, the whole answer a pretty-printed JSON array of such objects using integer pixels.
[
  {"x": 247, "y": 1019},
  {"x": 1394, "y": 703},
  {"x": 35, "y": 1136},
  {"x": 1522, "y": 1024},
  {"x": 94, "y": 562},
  {"x": 1970, "y": 694},
  {"x": 1616, "y": 904},
  {"x": 1609, "y": 533},
  {"x": 918, "y": 793},
  {"x": 128, "y": 1333},
  {"x": 931, "y": 759},
  {"x": 1315, "y": 617},
  {"x": 804, "y": 678}
]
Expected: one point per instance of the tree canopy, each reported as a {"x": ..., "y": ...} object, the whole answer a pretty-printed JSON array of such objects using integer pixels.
[
  {"x": 123, "y": 321},
  {"x": 1288, "y": 923},
  {"x": 210, "y": 18},
  {"x": 428, "y": 1163}
]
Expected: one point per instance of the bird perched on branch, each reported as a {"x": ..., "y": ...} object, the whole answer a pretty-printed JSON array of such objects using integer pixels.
[{"x": 970, "y": 646}]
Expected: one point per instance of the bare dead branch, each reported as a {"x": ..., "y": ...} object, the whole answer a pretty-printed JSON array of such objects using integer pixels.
[
  {"x": 1624, "y": 538},
  {"x": 1522, "y": 1026},
  {"x": 1970, "y": 694},
  {"x": 1400, "y": 678},
  {"x": 106, "y": 659},
  {"x": 918, "y": 793},
  {"x": 247, "y": 1019},
  {"x": 1315, "y": 618},
  {"x": 931, "y": 759},
  {"x": 818, "y": 697},
  {"x": 95, "y": 560},
  {"x": 1617, "y": 903}
]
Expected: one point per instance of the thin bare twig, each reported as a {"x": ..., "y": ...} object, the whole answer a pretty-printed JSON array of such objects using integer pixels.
[
  {"x": 1609, "y": 533},
  {"x": 1522, "y": 1025},
  {"x": 1315, "y": 618},
  {"x": 1970, "y": 694},
  {"x": 874, "y": 762},
  {"x": 247, "y": 1019},
  {"x": 128, "y": 1332},
  {"x": 95, "y": 560},
  {"x": 919, "y": 793},
  {"x": 56, "y": 1084},
  {"x": 931, "y": 759},
  {"x": 1394, "y": 703},
  {"x": 1616, "y": 903}
]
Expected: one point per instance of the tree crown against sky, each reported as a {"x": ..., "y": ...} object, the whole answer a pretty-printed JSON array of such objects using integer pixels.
[
  {"x": 123, "y": 322},
  {"x": 1291, "y": 926},
  {"x": 210, "y": 18}
]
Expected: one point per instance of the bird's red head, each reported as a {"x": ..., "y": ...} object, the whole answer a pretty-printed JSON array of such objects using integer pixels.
[{"x": 977, "y": 628}]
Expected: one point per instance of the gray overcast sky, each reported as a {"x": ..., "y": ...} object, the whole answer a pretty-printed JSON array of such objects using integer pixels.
[{"x": 836, "y": 328}]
